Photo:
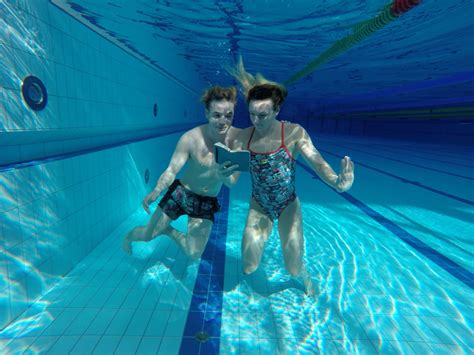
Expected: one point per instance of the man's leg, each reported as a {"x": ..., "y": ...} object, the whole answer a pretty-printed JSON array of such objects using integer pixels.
[
  {"x": 158, "y": 223},
  {"x": 290, "y": 228},
  {"x": 256, "y": 233},
  {"x": 194, "y": 242},
  {"x": 197, "y": 238}
]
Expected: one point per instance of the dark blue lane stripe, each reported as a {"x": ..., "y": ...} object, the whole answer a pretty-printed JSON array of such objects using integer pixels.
[
  {"x": 463, "y": 275},
  {"x": 406, "y": 181},
  {"x": 205, "y": 311},
  {"x": 400, "y": 150},
  {"x": 46, "y": 159},
  {"x": 404, "y": 162}
]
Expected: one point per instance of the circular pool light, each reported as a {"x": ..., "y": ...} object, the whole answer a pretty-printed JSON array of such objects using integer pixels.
[{"x": 34, "y": 93}]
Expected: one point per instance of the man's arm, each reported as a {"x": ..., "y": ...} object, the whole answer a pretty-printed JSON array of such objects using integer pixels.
[
  {"x": 178, "y": 159},
  {"x": 311, "y": 155}
]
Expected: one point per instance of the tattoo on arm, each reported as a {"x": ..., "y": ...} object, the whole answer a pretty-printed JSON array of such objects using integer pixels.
[{"x": 179, "y": 158}]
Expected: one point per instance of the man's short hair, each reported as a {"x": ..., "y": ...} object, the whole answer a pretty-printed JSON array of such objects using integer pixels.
[
  {"x": 268, "y": 91},
  {"x": 218, "y": 93}
]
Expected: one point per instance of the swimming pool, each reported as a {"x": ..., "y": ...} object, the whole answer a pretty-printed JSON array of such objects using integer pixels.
[{"x": 391, "y": 259}]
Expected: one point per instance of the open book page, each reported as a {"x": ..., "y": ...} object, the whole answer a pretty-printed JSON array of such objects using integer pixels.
[{"x": 239, "y": 157}]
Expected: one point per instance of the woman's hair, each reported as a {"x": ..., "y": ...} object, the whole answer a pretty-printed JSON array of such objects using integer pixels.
[
  {"x": 218, "y": 93},
  {"x": 268, "y": 91},
  {"x": 248, "y": 81}
]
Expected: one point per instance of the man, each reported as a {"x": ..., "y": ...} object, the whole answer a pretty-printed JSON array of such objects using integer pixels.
[
  {"x": 274, "y": 147},
  {"x": 194, "y": 194}
]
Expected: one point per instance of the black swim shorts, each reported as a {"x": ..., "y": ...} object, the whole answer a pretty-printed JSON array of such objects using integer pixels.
[{"x": 178, "y": 201}]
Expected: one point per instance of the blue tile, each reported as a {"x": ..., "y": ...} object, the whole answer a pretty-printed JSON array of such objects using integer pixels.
[
  {"x": 211, "y": 346},
  {"x": 194, "y": 323},
  {"x": 218, "y": 268},
  {"x": 205, "y": 268},
  {"x": 198, "y": 302},
  {"x": 189, "y": 346},
  {"x": 214, "y": 303},
  {"x": 202, "y": 283},
  {"x": 216, "y": 283},
  {"x": 212, "y": 323}
]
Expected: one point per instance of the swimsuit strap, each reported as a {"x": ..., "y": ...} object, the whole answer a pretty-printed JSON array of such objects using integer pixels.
[
  {"x": 283, "y": 145},
  {"x": 248, "y": 143},
  {"x": 282, "y": 134},
  {"x": 282, "y": 137}
]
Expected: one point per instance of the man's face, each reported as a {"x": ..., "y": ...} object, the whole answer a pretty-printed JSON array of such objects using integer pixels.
[
  {"x": 220, "y": 115},
  {"x": 262, "y": 114}
]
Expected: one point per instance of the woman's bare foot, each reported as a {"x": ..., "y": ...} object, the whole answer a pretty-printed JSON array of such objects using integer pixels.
[
  {"x": 308, "y": 284},
  {"x": 309, "y": 288}
]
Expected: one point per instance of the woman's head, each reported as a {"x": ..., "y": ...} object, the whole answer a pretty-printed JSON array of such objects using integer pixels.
[
  {"x": 275, "y": 92},
  {"x": 264, "y": 102}
]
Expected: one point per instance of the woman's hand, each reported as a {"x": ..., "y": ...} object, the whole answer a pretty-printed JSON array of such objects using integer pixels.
[{"x": 346, "y": 176}]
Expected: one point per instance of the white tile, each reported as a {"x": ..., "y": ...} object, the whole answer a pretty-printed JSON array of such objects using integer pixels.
[
  {"x": 8, "y": 77},
  {"x": 39, "y": 10},
  {"x": 107, "y": 345},
  {"x": 86, "y": 344},
  {"x": 64, "y": 344},
  {"x": 169, "y": 345},
  {"x": 128, "y": 345}
]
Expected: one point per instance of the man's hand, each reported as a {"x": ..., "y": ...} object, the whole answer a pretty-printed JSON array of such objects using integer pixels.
[
  {"x": 149, "y": 199},
  {"x": 226, "y": 169},
  {"x": 346, "y": 176}
]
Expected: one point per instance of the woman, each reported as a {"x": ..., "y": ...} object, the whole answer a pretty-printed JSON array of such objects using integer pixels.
[{"x": 274, "y": 146}]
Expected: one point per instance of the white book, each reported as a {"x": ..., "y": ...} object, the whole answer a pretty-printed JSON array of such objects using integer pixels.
[{"x": 240, "y": 157}]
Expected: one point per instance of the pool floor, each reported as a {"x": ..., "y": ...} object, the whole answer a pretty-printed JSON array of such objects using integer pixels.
[{"x": 391, "y": 261}]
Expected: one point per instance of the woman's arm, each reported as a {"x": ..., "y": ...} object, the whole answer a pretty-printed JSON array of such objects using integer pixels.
[{"x": 315, "y": 160}]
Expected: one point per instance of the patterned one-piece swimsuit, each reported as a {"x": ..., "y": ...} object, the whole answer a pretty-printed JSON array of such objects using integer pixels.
[{"x": 273, "y": 178}]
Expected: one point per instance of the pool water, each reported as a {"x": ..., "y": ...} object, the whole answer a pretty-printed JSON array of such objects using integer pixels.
[{"x": 391, "y": 261}]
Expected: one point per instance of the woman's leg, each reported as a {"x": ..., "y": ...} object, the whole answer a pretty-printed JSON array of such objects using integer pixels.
[
  {"x": 257, "y": 230},
  {"x": 290, "y": 228}
]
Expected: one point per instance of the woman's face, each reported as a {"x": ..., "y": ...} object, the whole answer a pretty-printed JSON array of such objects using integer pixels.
[{"x": 262, "y": 114}]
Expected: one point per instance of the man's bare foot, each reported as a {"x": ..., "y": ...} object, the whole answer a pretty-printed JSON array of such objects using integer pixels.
[{"x": 127, "y": 244}]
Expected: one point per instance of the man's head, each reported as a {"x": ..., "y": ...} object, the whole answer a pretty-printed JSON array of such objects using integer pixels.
[
  {"x": 220, "y": 103},
  {"x": 264, "y": 104}
]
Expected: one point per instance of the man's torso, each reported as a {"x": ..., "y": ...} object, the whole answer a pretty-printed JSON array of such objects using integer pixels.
[{"x": 200, "y": 175}]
